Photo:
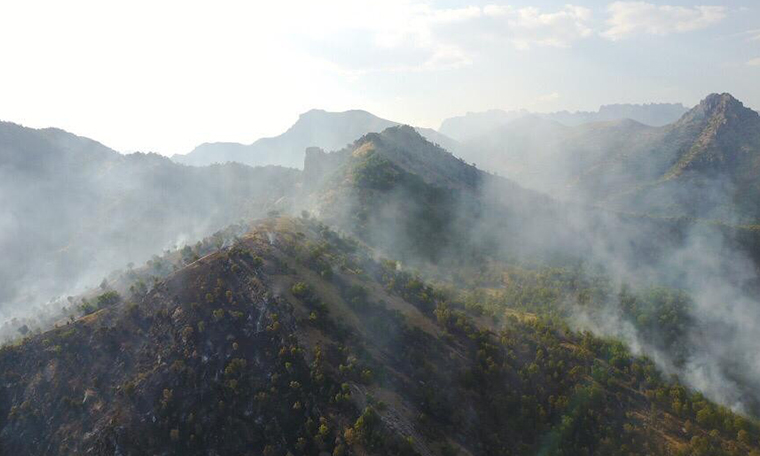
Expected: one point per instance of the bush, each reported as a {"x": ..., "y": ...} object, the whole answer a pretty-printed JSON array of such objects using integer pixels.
[{"x": 301, "y": 290}]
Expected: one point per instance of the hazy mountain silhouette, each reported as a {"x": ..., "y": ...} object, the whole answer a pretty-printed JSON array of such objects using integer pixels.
[
  {"x": 73, "y": 209},
  {"x": 472, "y": 125},
  {"x": 419, "y": 305},
  {"x": 315, "y": 128},
  {"x": 704, "y": 165}
]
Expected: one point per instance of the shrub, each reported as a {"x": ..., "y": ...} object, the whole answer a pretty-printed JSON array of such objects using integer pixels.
[{"x": 301, "y": 290}]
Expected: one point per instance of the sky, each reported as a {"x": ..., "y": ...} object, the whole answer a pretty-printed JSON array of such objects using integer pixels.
[{"x": 165, "y": 76}]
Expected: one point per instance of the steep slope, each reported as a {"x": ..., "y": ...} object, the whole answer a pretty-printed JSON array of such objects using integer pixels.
[
  {"x": 399, "y": 192},
  {"x": 73, "y": 209},
  {"x": 315, "y": 128},
  {"x": 294, "y": 341},
  {"x": 706, "y": 165},
  {"x": 412, "y": 199},
  {"x": 418, "y": 204},
  {"x": 727, "y": 137}
]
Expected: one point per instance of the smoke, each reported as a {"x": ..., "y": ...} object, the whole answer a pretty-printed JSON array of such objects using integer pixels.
[
  {"x": 711, "y": 262},
  {"x": 78, "y": 211},
  {"x": 74, "y": 211},
  {"x": 421, "y": 221}
]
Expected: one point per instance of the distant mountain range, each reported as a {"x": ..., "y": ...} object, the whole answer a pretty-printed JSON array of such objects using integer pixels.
[
  {"x": 704, "y": 165},
  {"x": 421, "y": 204},
  {"x": 417, "y": 305},
  {"x": 335, "y": 130},
  {"x": 315, "y": 128},
  {"x": 474, "y": 124}
]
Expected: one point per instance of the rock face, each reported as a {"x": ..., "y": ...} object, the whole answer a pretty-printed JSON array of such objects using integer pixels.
[
  {"x": 319, "y": 164},
  {"x": 727, "y": 138},
  {"x": 706, "y": 165}
]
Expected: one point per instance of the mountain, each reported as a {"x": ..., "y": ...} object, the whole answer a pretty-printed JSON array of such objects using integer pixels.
[
  {"x": 424, "y": 206},
  {"x": 545, "y": 155},
  {"x": 315, "y": 128},
  {"x": 73, "y": 209},
  {"x": 419, "y": 305},
  {"x": 415, "y": 200},
  {"x": 294, "y": 340},
  {"x": 705, "y": 165},
  {"x": 728, "y": 140},
  {"x": 473, "y": 125},
  {"x": 653, "y": 114}
]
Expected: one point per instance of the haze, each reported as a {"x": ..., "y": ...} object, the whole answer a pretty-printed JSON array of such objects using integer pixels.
[
  {"x": 380, "y": 228},
  {"x": 167, "y": 76}
]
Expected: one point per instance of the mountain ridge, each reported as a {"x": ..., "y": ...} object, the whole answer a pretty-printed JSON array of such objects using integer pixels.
[
  {"x": 294, "y": 339},
  {"x": 419, "y": 306},
  {"x": 314, "y": 128},
  {"x": 52, "y": 178},
  {"x": 719, "y": 111},
  {"x": 703, "y": 165},
  {"x": 475, "y": 124}
]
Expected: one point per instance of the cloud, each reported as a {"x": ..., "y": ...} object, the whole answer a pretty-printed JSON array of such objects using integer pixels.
[
  {"x": 417, "y": 36},
  {"x": 632, "y": 18},
  {"x": 754, "y": 62},
  {"x": 753, "y": 35},
  {"x": 527, "y": 27},
  {"x": 549, "y": 97}
]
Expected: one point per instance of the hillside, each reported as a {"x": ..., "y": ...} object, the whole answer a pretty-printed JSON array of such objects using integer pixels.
[
  {"x": 295, "y": 341},
  {"x": 315, "y": 128},
  {"x": 422, "y": 206},
  {"x": 294, "y": 338},
  {"x": 704, "y": 165},
  {"x": 73, "y": 210},
  {"x": 406, "y": 195},
  {"x": 403, "y": 194}
]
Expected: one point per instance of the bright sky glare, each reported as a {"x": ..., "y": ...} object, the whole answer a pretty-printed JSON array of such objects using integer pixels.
[{"x": 165, "y": 76}]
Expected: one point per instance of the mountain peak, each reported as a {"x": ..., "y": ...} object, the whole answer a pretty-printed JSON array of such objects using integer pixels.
[
  {"x": 716, "y": 98},
  {"x": 722, "y": 105},
  {"x": 313, "y": 114},
  {"x": 394, "y": 150},
  {"x": 727, "y": 137},
  {"x": 399, "y": 133}
]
